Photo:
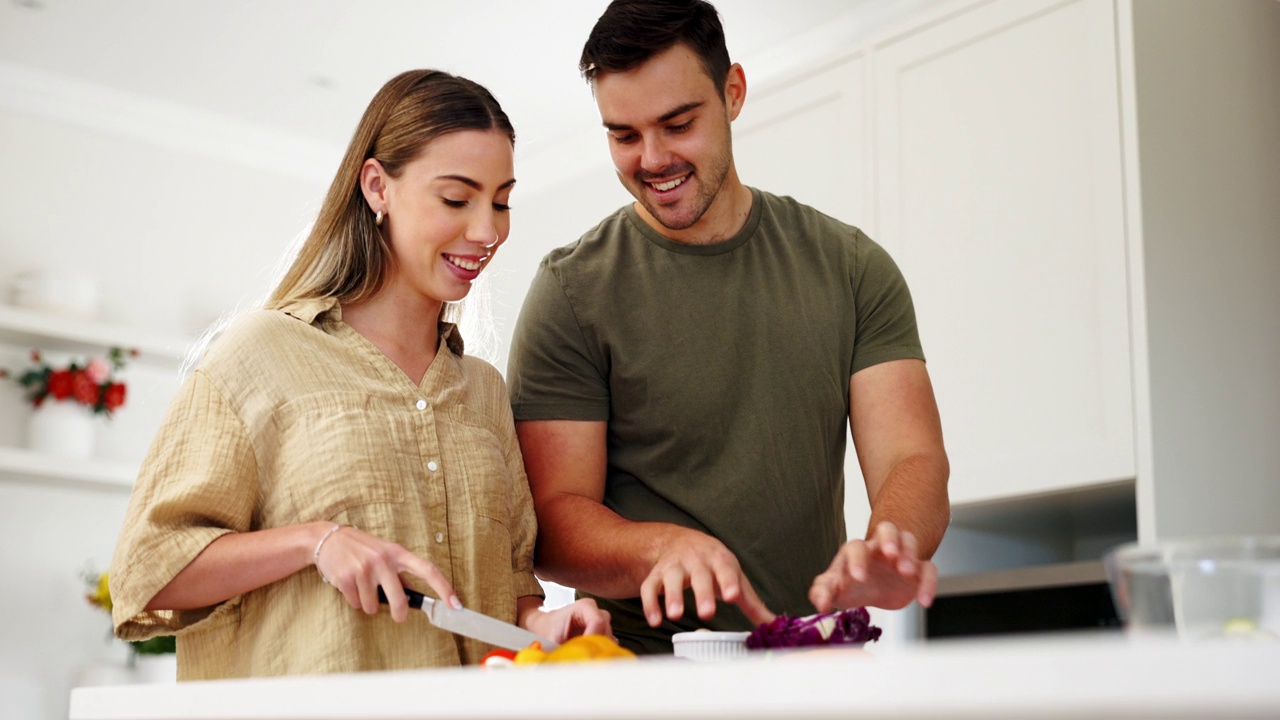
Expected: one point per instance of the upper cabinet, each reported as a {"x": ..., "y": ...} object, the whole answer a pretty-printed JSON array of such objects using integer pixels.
[
  {"x": 1081, "y": 195},
  {"x": 999, "y": 191}
]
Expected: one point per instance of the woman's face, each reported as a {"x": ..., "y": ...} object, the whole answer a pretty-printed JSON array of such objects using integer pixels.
[{"x": 447, "y": 213}]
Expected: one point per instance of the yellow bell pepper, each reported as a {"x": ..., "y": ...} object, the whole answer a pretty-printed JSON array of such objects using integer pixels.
[{"x": 578, "y": 649}]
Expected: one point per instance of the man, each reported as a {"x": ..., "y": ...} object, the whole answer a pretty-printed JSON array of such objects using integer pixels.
[{"x": 682, "y": 374}]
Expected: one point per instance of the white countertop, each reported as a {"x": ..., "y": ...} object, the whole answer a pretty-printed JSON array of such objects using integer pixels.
[{"x": 1082, "y": 677}]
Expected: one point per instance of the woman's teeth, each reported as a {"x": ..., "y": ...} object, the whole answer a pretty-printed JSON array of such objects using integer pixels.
[
  {"x": 665, "y": 186},
  {"x": 463, "y": 262}
]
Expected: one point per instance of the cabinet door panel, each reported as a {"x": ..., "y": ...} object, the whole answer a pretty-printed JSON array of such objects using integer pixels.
[
  {"x": 998, "y": 192},
  {"x": 807, "y": 139}
]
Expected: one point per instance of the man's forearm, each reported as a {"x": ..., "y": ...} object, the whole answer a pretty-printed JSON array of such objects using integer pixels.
[
  {"x": 914, "y": 498},
  {"x": 585, "y": 545}
]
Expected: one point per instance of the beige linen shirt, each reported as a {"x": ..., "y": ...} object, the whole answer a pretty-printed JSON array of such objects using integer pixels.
[{"x": 294, "y": 417}]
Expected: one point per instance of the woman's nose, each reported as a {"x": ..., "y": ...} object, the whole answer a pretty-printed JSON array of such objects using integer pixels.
[{"x": 483, "y": 230}]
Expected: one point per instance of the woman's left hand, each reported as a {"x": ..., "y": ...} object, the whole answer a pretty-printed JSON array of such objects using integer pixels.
[{"x": 583, "y": 617}]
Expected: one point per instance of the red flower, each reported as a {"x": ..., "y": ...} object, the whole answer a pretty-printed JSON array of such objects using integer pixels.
[
  {"x": 60, "y": 384},
  {"x": 114, "y": 396},
  {"x": 83, "y": 387}
]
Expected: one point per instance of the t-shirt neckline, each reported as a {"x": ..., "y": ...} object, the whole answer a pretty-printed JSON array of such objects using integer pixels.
[{"x": 717, "y": 248}]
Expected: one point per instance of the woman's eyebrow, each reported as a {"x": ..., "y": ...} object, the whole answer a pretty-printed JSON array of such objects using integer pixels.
[{"x": 474, "y": 184}]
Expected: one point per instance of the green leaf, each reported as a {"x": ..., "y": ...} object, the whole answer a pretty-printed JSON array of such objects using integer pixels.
[{"x": 159, "y": 645}]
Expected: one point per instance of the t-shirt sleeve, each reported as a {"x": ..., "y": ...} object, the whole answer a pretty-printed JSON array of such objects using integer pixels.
[
  {"x": 198, "y": 482},
  {"x": 523, "y": 522},
  {"x": 885, "y": 315},
  {"x": 551, "y": 370}
]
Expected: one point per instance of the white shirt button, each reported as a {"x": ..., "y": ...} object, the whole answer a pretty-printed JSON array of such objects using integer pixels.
[
  {"x": 439, "y": 537},
  {"x": 433, "y": 466},
  {"x": 422, "y": 404}
]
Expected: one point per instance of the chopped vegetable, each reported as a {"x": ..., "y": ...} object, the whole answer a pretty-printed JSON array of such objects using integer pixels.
[
  {"x": 531, "y": 655},
  {"x": 840, "y": 627},
  {"x": 498, "y": 658},
  {"x": 577, "y": 649}
]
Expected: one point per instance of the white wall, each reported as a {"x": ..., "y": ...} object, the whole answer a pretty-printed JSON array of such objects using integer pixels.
[{"x": 174, "y": 240}]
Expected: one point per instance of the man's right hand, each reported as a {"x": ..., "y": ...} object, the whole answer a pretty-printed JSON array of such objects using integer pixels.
[{"x": 690, "y": 559}]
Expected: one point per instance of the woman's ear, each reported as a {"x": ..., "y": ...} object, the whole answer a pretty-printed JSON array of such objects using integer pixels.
[{"x": 373, "y": 183}]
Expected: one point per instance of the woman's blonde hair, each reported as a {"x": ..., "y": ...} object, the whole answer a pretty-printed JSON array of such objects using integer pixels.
[{"x": 346, "y": 256}]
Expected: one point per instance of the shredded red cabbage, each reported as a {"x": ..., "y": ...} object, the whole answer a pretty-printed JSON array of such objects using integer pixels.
[{"x": 840, "y": 627}]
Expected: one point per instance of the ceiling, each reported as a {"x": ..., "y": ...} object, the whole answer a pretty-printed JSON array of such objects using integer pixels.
[{"x": 305, "y": 69}]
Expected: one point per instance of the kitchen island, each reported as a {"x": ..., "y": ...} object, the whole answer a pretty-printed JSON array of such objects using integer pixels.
[{"x": 1103, "y": 676}]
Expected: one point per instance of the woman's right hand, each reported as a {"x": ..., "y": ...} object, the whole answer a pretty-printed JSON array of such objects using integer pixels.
[{"x": 356, "y": 563}]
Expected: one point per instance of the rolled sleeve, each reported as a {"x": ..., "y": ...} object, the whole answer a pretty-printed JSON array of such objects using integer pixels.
[{"x": 198, "y": 482}]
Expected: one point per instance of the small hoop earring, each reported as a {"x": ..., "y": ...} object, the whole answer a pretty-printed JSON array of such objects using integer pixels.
[{"x": 377, "y": 220}]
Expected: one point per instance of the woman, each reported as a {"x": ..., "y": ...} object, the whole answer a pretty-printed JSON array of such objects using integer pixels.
[{"x": 343, "y": 427}]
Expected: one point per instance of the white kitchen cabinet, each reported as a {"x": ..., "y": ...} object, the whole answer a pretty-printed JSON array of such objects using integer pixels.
[
  {"x": 805, "y": 139},
  {"x": 1081, "y": 194},
  {"x": 999, "y": 178},
  {"x": 981, "y": 145}
]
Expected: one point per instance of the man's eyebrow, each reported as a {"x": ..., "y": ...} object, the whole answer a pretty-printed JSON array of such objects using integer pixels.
[
  {"x": 474, "y": 185},
  {"x": 675, "y": 112},
  {"x": 680, "y": 111}
]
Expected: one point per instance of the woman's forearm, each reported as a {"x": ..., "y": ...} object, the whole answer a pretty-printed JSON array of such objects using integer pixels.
[{"x": 239, "y": 562}]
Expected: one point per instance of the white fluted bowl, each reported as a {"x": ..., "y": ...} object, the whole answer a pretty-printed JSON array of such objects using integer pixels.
[{"x": 710, "y": 645}]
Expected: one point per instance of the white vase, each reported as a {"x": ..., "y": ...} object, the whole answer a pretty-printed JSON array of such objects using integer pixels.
[{"x": 63, "y": 428}]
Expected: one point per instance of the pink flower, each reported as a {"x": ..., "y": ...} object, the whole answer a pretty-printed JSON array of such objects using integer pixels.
[{"x": 98, "y": 370}]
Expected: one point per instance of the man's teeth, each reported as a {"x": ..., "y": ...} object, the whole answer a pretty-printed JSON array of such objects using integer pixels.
[
  {"x": 463, "y": 262},
  {"x": 665, "y": 186}
]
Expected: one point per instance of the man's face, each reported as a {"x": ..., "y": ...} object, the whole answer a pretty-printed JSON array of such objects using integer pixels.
[{"x": 669, "y": 135}]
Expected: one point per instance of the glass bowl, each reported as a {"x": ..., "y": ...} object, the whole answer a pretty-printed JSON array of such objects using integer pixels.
[{"x": 1199, "y": 588}]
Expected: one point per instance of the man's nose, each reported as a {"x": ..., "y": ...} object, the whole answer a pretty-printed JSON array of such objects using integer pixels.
[{"x": 654, "y": 157}]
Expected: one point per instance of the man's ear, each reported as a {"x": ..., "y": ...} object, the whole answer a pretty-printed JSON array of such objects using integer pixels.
[
  {"x": 373, "y": 183},
  {"x": 735, "y": 91}
]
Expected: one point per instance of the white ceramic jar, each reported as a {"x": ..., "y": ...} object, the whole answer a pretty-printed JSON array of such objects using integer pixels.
[
  {"x": 63, "y": 291},
  {"x": 62, "y": 428}
]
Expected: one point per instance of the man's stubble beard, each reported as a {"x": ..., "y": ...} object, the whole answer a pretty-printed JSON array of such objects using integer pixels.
[{"x": 709, "y": 188}]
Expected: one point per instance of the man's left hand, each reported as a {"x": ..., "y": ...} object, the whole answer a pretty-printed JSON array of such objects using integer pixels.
[{"x": 884, "y": 571}]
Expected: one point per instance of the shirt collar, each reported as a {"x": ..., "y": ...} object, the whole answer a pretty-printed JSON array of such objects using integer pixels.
[{"x": 312, "y": 309}]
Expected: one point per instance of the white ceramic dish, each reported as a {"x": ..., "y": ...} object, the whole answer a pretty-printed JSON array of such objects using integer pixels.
[{"x": 710, "y": 645}]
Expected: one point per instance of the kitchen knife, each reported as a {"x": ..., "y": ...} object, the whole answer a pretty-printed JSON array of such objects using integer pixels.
[{"x": 471, "y": 624}]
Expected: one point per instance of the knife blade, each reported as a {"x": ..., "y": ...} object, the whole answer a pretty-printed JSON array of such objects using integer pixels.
[{"x": 472, "y": 624}]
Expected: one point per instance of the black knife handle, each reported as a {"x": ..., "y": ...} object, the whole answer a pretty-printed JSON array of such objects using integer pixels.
[{"x": 415, "y": 597}]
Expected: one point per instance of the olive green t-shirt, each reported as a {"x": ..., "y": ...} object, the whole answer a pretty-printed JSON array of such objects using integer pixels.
[{"x": 723, "y": 372}]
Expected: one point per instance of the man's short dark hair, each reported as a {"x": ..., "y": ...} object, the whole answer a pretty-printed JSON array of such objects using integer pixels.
[{"x": 632, "y": 31}]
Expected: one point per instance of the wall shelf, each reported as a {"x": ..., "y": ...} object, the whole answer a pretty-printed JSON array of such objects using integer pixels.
[
  {"x": 18, "y": 465},
  {"x": 29, "y": 328}
]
